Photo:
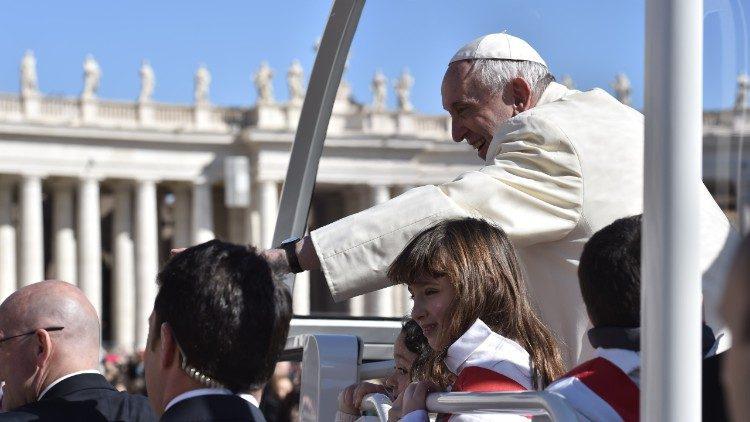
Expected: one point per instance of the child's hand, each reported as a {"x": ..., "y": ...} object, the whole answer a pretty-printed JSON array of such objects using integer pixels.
[
  {"x": 415, "y": 396},
  {"x": 395, "y": 413},
  {"x": 351, "y": 398}
]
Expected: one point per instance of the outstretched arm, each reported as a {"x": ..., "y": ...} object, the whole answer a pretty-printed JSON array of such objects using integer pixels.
[{"x": 306, "y": 255}]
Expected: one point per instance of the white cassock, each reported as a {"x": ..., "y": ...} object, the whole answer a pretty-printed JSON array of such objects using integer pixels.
[{"x": 554, "y": 175}]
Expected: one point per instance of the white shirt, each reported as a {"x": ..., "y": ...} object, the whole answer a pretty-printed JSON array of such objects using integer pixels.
[
  {"x": 196, "y": 393},
  {"x": 554, "y": 175},
  {"x": 63, "y": 378},
  {"x": 480, "y": 347},
  {"x": 250, "y": 399}
]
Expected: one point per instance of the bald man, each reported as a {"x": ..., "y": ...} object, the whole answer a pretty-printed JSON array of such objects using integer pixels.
[{"x": 49, "y": 352}]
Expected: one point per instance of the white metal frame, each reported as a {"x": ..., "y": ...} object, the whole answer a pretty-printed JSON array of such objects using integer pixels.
[
  {"x": 331, "y": 362},
  {"x": 671, "y": 289},
  {"x": 671, "y": 281}
]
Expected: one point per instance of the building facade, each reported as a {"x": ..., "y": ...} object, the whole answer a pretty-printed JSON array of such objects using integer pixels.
[{"x": 96, "y": 192}]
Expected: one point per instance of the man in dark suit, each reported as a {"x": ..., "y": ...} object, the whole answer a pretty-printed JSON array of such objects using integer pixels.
[
  {"x": 219, "y": 323},
  {"x": 49, "y": 352}
]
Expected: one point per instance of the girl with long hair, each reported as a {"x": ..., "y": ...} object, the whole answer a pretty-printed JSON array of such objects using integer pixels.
[{"x": 471, "y": 302}]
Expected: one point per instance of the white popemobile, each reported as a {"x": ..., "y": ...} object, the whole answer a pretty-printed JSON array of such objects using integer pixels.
[{"x": 332, "y": 358}]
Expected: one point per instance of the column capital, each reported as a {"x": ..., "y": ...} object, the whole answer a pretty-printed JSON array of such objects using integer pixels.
[
  {"x": 145, "y": 181},
  {"x": 200, "y": 180},
  {"x": 32, "y": 175},
  {"x": 89, "y": 177}
]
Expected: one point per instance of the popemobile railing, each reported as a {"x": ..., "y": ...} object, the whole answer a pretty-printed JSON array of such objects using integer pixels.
[
  {"x": 540, "y": 405},
  {"x": 333, "y": 361}
]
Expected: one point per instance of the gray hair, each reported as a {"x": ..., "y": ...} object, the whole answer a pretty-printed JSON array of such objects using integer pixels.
[{"x": 493, "y": 75}]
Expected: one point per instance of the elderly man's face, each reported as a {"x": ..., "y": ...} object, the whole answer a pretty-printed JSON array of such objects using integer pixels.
[
  {"x": 17, "y": 365},
  {"x": 476, "y": 113}
]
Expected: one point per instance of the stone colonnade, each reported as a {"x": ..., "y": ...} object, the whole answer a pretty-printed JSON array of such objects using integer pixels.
[{"x": 76, "y": 234}]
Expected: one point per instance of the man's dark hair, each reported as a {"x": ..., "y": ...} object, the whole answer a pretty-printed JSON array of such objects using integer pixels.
[
  {"x": 228, "y": 315},
  {"x": 610, "y": 274}
]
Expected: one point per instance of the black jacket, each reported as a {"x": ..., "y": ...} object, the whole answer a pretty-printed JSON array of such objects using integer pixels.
[
  {"x": 714, "y": 407},
  {"x": 215, "y": 407},
  {"x": 84, "y": 397}
]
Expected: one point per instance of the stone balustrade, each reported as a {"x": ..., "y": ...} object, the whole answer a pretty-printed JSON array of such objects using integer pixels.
[{"x": 169, "y": 117}]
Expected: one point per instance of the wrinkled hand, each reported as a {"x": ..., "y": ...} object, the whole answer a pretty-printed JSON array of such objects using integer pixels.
[
  {"x": 351, "y": 398},
  {"x": 415, "y": 396},
  {"x": 173, "y": 252},
  {"x": 276, "y": 259}
]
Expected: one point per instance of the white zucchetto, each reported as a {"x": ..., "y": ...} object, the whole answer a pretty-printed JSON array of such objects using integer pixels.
[{"x": 498, "y": 46}]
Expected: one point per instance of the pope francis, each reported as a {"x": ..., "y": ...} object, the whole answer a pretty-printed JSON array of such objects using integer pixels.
[{"x": 560, "y": 164}]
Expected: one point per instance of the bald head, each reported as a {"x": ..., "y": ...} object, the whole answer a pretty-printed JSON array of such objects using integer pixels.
[{"x": 55, "y": 303}]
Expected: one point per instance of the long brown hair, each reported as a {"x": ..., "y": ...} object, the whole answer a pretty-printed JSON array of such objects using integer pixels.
[{"x": 482, "y": 266}]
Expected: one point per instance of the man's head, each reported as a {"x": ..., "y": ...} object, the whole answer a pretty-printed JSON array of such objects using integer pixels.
[
  {"x": 218, "y": 312},
  {"x": 609, "y": 274},
  {"x": 488, "y": 81},
  {"x": 47, "y": 330}
]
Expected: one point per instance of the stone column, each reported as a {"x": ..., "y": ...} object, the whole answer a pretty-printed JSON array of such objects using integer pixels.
[
  {"x": 252, "y": 218},
  {"x": 268, "y": 207},
  {"x": 301, "y": 294},
  {"x": 203, "y": 220},
  {"x": 90, "y": 242},
  {"x": 31, "y": 243},
  {"x": 7, "y": 240},
  {"x": 63, "y": 232},
  {"x": 147, "y": 255},
  {"x": 123, "y": 271},
  {"x": 380, "y": 302},
  {"x": 181, "y": 237},
  {"x": 236, "y": 226},
  {"x": 401, "y": 296},
  {"x": 354, "y": 204}
]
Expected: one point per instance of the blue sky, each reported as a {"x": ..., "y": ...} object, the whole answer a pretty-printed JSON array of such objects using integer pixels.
[{"x": 591, "y": 40}]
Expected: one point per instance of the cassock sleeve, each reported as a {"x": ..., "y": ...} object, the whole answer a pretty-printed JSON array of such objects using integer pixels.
[{"x": 533, "y": 189}]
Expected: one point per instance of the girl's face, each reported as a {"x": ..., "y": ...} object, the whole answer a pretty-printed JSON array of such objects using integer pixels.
[
  {"x": 433, "y": 297},
  {"x": 404, "y": 360}
]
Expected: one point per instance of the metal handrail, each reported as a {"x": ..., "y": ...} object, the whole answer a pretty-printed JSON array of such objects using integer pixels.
[
  {"x": 379, "y": 403},
  {"x": 375, "y": 370},
  {"x": 525, "y": 403}
]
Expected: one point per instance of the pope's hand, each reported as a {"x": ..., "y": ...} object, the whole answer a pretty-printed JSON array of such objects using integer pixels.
[
  {"x": 175, "y": 251},
  {"x": 277, "y": 260}
]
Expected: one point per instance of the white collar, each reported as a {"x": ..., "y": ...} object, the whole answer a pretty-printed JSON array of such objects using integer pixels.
[
  {"x": 626, "y": 360},
  {"x": 195, "y": 393},
  {"x": 249, "y": 398},
  {"x": 466, "y": 345},
  {"x": 63, "y": 378},
  {"x": 553, "y": 92}
]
